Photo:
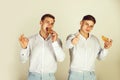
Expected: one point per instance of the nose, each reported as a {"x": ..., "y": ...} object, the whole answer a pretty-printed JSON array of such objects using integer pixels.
[
  {"x": 88, "y": 27},
  {"x": 49, "y": 25}
]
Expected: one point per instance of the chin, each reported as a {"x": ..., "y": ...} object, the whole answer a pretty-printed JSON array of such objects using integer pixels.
[{"x": 87, "y": 32}]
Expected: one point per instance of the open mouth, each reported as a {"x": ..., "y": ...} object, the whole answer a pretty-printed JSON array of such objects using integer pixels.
[{"x": 49, "y": 30}]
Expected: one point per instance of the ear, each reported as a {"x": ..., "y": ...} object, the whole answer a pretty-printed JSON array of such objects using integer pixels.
[
  {"x": 81, "y": 22},
  {"x": 40, "y": 22}
]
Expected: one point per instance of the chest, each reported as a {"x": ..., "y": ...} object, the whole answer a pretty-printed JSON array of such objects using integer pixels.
[{"x": 41, "y": 46}]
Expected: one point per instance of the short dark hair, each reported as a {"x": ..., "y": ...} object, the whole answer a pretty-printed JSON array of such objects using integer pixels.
[
  {"x": 47, "y": 15},
  {"x": 89, "y": 17}
]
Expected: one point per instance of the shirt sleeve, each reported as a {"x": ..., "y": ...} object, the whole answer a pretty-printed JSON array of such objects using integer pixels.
[
  {"x": 59, "y": 53},
  {"x": 68, "y": 41},
  {"x": 102, "y": 54},
  {"x": 24, "y": 54}
]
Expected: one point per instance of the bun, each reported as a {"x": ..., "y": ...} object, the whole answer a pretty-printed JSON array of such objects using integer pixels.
[{"x": 105, "y": 38}]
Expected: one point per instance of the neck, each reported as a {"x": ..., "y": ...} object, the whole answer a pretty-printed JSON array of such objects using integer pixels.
[
  {"x": 86, "y": 35},
  {"x": 43, "y": 34}
]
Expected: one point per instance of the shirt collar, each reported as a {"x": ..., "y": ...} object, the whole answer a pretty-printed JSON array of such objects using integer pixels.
[
  {"x": 83, "y": 36},
  {"x": 48, "y": 38}
]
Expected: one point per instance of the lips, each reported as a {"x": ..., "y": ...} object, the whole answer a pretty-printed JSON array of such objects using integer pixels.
[
  {"x": 49, "y": 30},
  {"x": 87, "y": 30}
]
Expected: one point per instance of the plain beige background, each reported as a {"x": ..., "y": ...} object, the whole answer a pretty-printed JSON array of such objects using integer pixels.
[{"x": 23, "y": 16}]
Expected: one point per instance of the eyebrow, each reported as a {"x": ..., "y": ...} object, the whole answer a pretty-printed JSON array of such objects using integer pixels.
[
  {"x": 49, "y": 21},
  {"x": 88, "y": 24}
]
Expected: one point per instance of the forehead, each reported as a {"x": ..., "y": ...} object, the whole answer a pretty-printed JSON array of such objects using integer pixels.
[
  {"x": 90, "y": 22},
  {"x": 49, "y": 19}
]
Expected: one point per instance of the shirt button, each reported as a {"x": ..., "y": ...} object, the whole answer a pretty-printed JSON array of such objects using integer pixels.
[{"x": 22, "y": 54}]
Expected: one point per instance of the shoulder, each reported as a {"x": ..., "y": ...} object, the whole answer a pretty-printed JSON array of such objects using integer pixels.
[
  {"x": 33, "y": 37},
  {"x": 59, "y": 41},
  {"x": 71, "y": 36},
  {"x": 93, "y": 37}
]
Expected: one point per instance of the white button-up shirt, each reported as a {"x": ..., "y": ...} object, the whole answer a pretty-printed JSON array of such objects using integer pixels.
[
  {"x": 84, "y": 54},
  {"x": 43, "y": 54}
]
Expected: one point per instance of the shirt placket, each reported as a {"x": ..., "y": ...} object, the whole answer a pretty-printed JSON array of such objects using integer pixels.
[
  {"x": 86, "y": 53},
  {"x": 43, "y": 54}
]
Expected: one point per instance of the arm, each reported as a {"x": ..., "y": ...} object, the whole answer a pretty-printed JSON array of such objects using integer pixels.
[
  {"x": 104, "y": 52},
  {"x": 57, "y": 46},
  {"x": 24, "y": 54},
  {"x": 25, "y": 50},
  {"x": 71, "y": 41},
  {"x": 59, "y": 53}
]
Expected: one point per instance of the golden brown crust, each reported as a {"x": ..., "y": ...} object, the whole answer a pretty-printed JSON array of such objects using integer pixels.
[
  {"x": 105, "y": 38},
  {"x": 49, "y": 30}
]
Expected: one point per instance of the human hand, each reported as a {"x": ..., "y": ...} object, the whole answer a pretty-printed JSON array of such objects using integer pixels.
[
  {"x": 76, "y": 39},
  {"x": 49, "y": 30},
  {"x": 23, "y": 41},
  {"x": 52, "y": 33},
  {"x": 54, "y": 36},
  {"x": 107, "y": 42}
]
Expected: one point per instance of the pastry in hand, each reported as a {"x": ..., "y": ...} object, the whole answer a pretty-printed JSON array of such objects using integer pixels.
[
  {"x": 105, "y": 38},
  {"x": 49, "y": 30}
]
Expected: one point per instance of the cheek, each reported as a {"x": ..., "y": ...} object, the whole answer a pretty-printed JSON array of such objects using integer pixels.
[
  {"x": 50, "y": 26},
  {"x": 89, "y": 28},
  {"x": 84, "y": 27},
  {"x": 45, "y": 25}
]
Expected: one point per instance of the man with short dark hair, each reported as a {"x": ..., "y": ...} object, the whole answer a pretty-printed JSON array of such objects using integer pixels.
[
  {"x": 43, "y": 49},
  {"x": 84, "y": 48}
]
